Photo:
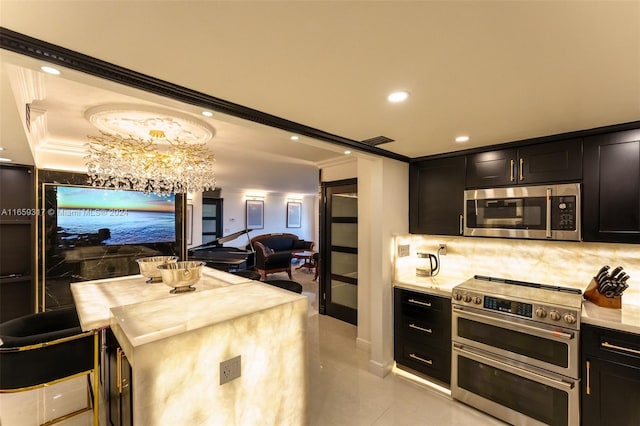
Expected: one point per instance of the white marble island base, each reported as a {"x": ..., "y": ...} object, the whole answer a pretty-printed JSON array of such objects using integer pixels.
[{"x": 176, "y": 379}]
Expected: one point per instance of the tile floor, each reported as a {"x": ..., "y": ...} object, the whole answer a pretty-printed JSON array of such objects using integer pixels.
[{"x": 341, "y": 390}]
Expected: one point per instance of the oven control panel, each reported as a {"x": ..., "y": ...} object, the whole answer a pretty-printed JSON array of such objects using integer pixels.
[
  {"x": 508, "y": 306},
  {"x": 541, "y": 313}
]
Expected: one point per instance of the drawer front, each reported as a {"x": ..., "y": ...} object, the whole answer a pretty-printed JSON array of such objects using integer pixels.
[
  {"x": 430, "y": 332},
  {"x": 415, "y": 301},
  {"x": 612, "y": 345},
  {"x": 430, "y": 361}
]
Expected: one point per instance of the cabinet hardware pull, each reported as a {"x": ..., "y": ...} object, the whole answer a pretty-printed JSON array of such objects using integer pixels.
[
  {"x": 548, "y": 225},
  {"x": 521, "y": 169},
  {"x": 121, "y": 383},
  {"x": 461, "y": 224},
  {"x": 119, "y": 369},
  {"x": 417, "y": 302},
  {"x": 511, "y": 176},
  {"x": 426, "y": 361},
  {"x": 619, "y": 348},
  {"x": 588, "y": 377},
  {"x": 426, "y": 330}
]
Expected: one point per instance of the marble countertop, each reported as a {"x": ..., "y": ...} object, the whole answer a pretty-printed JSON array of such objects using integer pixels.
[
  {"x": 142, "y": 323},
  {"x": 441, "y": 284},
  {"x": 94, "y": 299},
  {"x": 625, "y": 319}
]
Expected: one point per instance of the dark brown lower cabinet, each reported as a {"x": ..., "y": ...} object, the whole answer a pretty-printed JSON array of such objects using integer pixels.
[
  {"x": 610, "y": 377},
  {"x": 117, "y": 375},
  {"x": 422, "y": 334}
]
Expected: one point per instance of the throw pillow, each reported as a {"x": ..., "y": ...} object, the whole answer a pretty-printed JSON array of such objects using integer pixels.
[{"x": 299, "y": 245}]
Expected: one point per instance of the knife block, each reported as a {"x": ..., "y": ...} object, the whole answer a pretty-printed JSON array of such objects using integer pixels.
[{"x": 593, "y": 295}]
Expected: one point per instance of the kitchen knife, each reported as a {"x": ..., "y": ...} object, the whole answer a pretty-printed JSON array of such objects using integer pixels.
[
  {"x": 604, "y": 286},
  {"x": 601, "y": 274},
  {"x": 615, "y": 272},
  {"x": 621, "y": 276},
  {"x": 619, "y": 289},
  {"x": 623, "y": 285}
]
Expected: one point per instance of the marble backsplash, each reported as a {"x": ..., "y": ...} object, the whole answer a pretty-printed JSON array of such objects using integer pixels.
[{"x": 570, "y": 264}]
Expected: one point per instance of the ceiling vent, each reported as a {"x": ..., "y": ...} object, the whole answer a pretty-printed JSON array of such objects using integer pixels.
[{"x": 378, "y": 140}]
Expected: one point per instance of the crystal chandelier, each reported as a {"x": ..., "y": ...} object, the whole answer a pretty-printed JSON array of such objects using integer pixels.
[
  {"x": 163, "y": 168},
  {"x": 147, "y": 159}
]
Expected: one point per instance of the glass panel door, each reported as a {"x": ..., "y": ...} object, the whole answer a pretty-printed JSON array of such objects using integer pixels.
[
  {"x": 339, "y": 280},
  {"x": 211, "y": 219}
]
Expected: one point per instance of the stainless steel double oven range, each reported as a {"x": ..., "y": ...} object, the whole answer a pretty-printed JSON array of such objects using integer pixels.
[{"x": 516, "y": 350}]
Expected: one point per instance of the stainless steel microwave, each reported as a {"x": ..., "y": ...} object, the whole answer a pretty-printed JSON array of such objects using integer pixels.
[{"x": 549, "y": 212}]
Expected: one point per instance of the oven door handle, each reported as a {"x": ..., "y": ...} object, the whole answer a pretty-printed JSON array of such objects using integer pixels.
[
  {"x": 528, "y": 374},
  {"x": 516, "y": 326}
]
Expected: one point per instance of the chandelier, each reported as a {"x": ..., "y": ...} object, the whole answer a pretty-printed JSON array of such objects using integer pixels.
[{"x": 134, "y": 151}]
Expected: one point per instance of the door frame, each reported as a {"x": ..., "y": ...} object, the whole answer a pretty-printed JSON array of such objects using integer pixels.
[{"x": 325, "y": 307}]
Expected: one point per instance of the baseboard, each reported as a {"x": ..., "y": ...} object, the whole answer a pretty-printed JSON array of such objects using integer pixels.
[
  {"x": 363, "y": 344},
  {"x": 380, "y": 370}
]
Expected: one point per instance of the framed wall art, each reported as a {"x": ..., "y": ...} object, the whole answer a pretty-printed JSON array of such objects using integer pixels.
[
  {"x": 294, "y": 214},
  {"x": 255, "y": 214}
]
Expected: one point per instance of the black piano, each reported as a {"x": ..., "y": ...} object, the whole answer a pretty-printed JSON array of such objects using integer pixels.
[{"x": 229, "y": 259}]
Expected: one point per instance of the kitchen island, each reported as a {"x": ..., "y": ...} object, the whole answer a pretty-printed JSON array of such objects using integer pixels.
[{"x": 175, "y": 344}]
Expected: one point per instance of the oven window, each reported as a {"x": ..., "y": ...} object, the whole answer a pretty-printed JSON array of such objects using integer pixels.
[
  {"x": 535, "y": 347},
  {"x": 533, "y": 399}
]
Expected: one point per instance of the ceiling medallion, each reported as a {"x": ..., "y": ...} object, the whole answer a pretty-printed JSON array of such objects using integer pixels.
[{"x": 149, "y": 149}]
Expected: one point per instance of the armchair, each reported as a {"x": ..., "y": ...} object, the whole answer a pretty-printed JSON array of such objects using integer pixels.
[
  {"x": 269, "y": 261},
  {"x": 273, "y": 252}
]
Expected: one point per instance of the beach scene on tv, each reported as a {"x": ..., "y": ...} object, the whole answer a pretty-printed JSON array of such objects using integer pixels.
[{"x": 93, "y": 216}]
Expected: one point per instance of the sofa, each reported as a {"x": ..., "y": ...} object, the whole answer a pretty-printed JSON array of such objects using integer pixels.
[{"x": 274, "y": 252}]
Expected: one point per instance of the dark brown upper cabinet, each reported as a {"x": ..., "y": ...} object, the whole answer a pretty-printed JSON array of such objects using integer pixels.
[
  {"x": 436, "y": 196},
  {"x": 611, "y": 187},
  {"x": 534, "y": 164}
]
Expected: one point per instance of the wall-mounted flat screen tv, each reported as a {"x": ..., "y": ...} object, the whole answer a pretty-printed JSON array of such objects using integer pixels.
[{"x": 87, "y": 215}]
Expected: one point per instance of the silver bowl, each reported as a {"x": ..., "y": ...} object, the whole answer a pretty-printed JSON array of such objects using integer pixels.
[
  {"x": 181, "y": 275},
  {"x": 149, "y": 266}
]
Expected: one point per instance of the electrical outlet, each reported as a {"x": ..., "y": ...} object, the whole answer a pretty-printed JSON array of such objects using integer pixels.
[
  {"x": 442, "y": 248},
  {"x": 230, "y": 370},
  {"x": 403, "y": 250}
]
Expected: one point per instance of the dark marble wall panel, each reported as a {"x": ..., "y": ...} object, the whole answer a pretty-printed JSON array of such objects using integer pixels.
[{"x": 65, "y": 259}]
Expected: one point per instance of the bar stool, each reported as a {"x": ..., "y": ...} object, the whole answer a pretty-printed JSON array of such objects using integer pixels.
[
  {"x": 294, "y": 286},
  {"x": 46, "y": 348}
]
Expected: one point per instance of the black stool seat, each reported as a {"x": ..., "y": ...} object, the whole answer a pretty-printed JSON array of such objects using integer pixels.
[
  {"x": 286, "y": 284},
  {"x": 252, "y": 275},
  {"x": 44, "y": 347}
]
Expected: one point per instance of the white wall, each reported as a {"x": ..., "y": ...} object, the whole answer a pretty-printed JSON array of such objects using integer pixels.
[
  {"x": 346, "y": 168},
  {"x": 275, "y": 219}
]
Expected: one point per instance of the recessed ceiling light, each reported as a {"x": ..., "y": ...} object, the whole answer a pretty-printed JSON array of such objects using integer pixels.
[
  {"x": 462, "y": 138},
  {"x": 347, "y": 152},
  {"x": 5, "y": 160},
  {"x": 1, "y": 148},
  {"x": 398, "y": 96},
  {"x": 207, "y": 113},
  {"x": 295, "y": 137},
  {"x": 50, "y": 70}
]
